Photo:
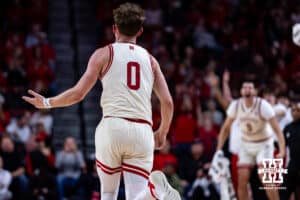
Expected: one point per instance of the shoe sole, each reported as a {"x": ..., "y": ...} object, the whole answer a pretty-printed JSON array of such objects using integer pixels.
[{"x": 159, "y": 179}]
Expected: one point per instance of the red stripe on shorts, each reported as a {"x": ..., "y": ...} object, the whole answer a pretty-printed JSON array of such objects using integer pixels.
[
  {"x": 135, "y": 168},
  {"x": 109, "y": 169},
  {"x": 135, "y": 172}
]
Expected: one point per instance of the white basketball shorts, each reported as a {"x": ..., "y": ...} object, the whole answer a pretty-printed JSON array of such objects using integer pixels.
[
  {"x": 252, "y": 153},
  {"x": 123, "y": 145}
]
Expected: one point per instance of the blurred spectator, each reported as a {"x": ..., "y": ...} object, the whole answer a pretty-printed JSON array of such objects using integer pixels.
[
  {"x": 5, "y": 180},
  {"x": 44, "y": 146},
  {"x": 89, "y": 183},
  {"x": 172, "y": 177},
  {"x": 70, "y": 163},
  {"x": 207, "y": 134},
  {"x": 217, "y": 116},
  {"x": 15, "y": 74},
  {"x": 32, "y": 38},
  {"x": 19, "y": 129},
  {"x": 153, "y": 14},
  {"x": 45, "y": 118},
  {"x": 40, "y": 169},
  {"x": 35, "y": 159},
  {"x": 185, "y": 126},
  {"x": 13, "y": 162},
  {"x": 4, "y": 116},
  {"x": 292, "y": 138},
  {"x": 40, "y": 73},
  {"x": 163, "y": 157},
  {"x": 203, "y": 187},
  {"x": 204, "y": 38},
  {"x": 43, "y": 185},
  {"x": 189, "y": 165}
]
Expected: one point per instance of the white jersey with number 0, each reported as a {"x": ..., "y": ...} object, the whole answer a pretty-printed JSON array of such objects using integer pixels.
[
  {"x": 252, "y": 121},
  {"x": 128, "y": 82}
]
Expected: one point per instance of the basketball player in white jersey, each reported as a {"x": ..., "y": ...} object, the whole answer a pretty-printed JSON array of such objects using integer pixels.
[
  {"x": 124, "y": 138},
  {"x": 252, "y": 114}
]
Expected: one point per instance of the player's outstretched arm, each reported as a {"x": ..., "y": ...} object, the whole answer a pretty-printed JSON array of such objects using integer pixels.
[
  {"x": 281, "y": 141},
  {"x": 166, "y": 105},
  {"x": 78, "y": 92},
  {"x": 224, "y": 132}
]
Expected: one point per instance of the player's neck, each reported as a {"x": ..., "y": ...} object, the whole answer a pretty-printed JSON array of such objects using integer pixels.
[
  {"x": 248, "y": 101},
  {"x": 126, "y": 39}
]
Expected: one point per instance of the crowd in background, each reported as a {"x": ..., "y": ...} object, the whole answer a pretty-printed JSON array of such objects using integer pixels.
[{"x": 195, "y": 42}]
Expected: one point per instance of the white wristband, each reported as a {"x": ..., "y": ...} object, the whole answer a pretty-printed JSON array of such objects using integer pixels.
[{"x": 46, "y": 102}]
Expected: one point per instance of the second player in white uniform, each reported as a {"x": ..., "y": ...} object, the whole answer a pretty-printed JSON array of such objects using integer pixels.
[
  {"x": 252, "y": 115},
  {"x": 256, "y": 141}
]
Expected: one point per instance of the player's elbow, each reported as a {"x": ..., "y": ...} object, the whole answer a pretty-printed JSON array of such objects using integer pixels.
[
  {"x": 168, "y": 102},
  {"x": 78, "y": 95}
]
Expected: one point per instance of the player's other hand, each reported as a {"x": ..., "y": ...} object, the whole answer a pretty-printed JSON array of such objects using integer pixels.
[
  {"x": 226, "y": 76},
  {"x": 36, "y": 99},
  {"x": 281, "y": 154},
  {"x": 159, "y": 139}
]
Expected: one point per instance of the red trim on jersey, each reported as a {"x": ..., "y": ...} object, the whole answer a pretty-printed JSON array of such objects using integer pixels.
[
  {"x": 253, "y": 106},
  {"x": 111, "y": 56},
  {"x": 107, "y": 169},
  {"x": 135, "y": 172},
  {"x": 142, "y": 121},
  {"x": 256, "y": 141}
]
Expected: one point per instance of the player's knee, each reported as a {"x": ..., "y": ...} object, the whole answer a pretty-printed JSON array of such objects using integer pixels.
[
  {"x": 109, "y": 196},
  {"x": 242, "y": 180}
]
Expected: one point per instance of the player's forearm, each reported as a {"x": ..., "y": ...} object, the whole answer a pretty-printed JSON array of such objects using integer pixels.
[
  {"x": 67, "y": 98},
  {"x": 227, "y": 91},
  {"x": 281, "y": 141},
  {"x": 220, "y": 98},
  {"x": 279, "y": 134},
  {"x": 167, "y": 109},
  {"x": 222, "y": 137}
]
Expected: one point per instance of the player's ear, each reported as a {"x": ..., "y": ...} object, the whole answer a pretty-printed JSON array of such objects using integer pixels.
[
  {"x": 140, "y": 32},
  {"x": 114, "y": 28}
]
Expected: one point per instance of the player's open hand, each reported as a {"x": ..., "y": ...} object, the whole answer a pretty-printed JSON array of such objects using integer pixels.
[
  {"x": 226, "y": 76},
  {"x": 160, "y": 139},
  {"x": 36, "y": 100}
]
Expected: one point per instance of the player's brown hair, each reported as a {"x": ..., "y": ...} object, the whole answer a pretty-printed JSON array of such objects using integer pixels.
[{"x": 129, "y": 18}]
